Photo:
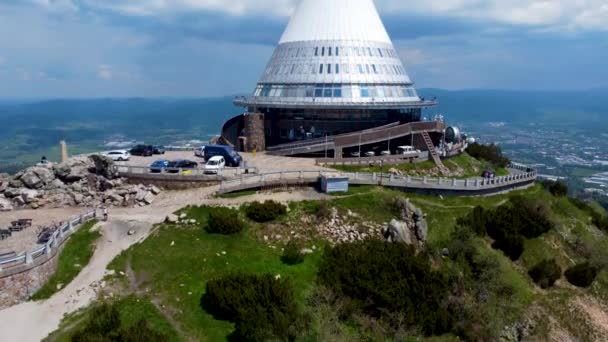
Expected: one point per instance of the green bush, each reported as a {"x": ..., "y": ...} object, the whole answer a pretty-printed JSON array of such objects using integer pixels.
[
  {"x": 292, "y": 254},
  {"x": 382, "y": 278},
  {"x": 509, "y": 224},
  {"x": 265, "y": 212},
  {"x": 597, "y": 218},
  {"x": 104, "y": 325},
  {"x": 557, "y": 189},
  {"x": 263, "y": 308},
  {"x": 323, "y": 211},
  {"x": 224, "y": 221},
  {"x": 546, "y": 273},
  {"x": 491, "y": 153},
  {"x": 581, "y": 275}
]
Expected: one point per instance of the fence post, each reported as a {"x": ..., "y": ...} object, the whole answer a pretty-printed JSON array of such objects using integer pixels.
[
  {"x": 70, "y": 225},
  {"x": 453, "y": 181},
  {"x": 28, "y": 258},
  {"x": 424, "y": 180},
  {"x": 47, "y": 248}
]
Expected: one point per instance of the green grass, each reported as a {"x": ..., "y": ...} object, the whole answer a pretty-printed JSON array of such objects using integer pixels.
[
  {"x": 469, "y": 166},
  {"x": 75, "y": 255},
  {"x": 238, "y": 194},
  {"x": 132, "y": 309},
  {"x": 177, "y": 274}
]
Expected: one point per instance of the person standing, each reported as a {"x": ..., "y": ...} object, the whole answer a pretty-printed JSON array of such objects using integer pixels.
[{"x": 104, "y": 210}]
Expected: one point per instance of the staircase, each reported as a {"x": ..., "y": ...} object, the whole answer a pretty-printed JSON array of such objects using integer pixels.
[{"x": 433, "y": 153}]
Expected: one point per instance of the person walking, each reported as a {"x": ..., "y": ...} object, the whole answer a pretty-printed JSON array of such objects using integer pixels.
[{"x": 104, "y": 210}]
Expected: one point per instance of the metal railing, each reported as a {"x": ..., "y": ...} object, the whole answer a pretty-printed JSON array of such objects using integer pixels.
[
  {"x": 181, "y": 174},
  {"x": 477, "y": 184},
  {"x": 36, "y": 257}
]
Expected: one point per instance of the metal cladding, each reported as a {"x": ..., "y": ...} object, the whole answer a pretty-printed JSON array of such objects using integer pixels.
[{"x": 335, "y": 53}]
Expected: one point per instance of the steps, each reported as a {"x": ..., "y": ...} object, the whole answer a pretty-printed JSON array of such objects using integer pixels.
[{"x": 433, "y": 153}]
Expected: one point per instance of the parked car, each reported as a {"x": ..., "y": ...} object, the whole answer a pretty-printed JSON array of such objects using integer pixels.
[
  {"x": 186, "y": 165},
  {"x": 370, "y": 154},
  {"x": 385, "y": 153},
  {"x": 158, "y": 149},
  {"x": 232, "y": 158},
  {"x": 407, "y": 150},
  {"x": 200, "y": 152},
  {"x": 119, "y": 155},
  {"x": 159, "y": 165},
  {"x": 215, "y": 165},
  {"x": 355, "y": 154},
  {"x": 142, "y": 150}
]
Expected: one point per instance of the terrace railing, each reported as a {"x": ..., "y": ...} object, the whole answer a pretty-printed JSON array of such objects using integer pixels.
[{"x": 30, "y": 259}]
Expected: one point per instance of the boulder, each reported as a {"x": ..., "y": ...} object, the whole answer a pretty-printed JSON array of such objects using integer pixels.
[
  {"x": 62, "y": 170},
  {"x": 31, "y": 180},
  {"x": 172, "y": 219},
  {"x": 422, "y": 230},
  {"x": 155, "y": 190},
  {"x": 149, "y": 198},
  {"x": 12, "y": 192},
  {"x": 104, "y": 166},
  {"x": 18, "y": 201},
  {"x": 398, "y": 231},
  {"x": 5, "y": 204},
  {"x": 29, "y": 195},
  {"x": 45, "y": 174},
  {"x": 78, "y": 198},
  {"x": 141, "y": 194},
  {"x": 114, "y": 197},
  {"x": 394, "y": 171},
  {"x": 15, "y": 183}
]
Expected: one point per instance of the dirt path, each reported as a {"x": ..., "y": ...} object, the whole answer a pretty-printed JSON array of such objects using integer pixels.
[{"x": 33, "y": 321}]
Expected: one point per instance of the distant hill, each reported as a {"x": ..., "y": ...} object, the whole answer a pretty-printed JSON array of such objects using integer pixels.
[{"x": 521, "y": 106}]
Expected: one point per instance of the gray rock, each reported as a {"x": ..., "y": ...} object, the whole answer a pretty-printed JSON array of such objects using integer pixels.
[
  {"x": 155, "y": 190},
  {"x": 422, "y": 230},
  {"x": 104, "y": 166},
  {"x": 305, "y": 251},
  {"x": 15, "y": 183},
  {"x": 140, "y": 195},
  {"x": 149, "y": 198},
  {"x": 12, "y": 192},
  {"x": 5, "y": 204},
  {"x": 31, "y": 180},
  {"x": 77, "y": 187},
  {"x": 398, "y": 231},
  {"x": 29, "y": 195},
  {"x": 18, "y": 201},
  {"x": 172, "y": 219},
  {"x": 62, "y": 170},
  {"x": 78, "y": 198},
  {"x": 114, "y": 197}
]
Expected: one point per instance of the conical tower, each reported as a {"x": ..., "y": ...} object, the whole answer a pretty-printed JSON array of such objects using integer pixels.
[{"x": 334, "y": 71}]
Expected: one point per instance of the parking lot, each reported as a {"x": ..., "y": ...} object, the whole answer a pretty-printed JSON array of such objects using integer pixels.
[{"x": 261, "y": 161}]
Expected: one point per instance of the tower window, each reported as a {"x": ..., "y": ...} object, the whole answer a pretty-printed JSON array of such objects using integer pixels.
[
  {"x": 329, "y": 68},
  {"x": 329, "y": 51},
  {"x": 337, "y": 51},
  {"x": 369, "y": 50},
  {"x": 374, "y": 67},
  {"x": 316, "y": 51},
  {"x": 323, "y": 51},
  {"x": 367, "y": 68},
  {"x": 337, "y": 68},
  {"x": 380, "y": 52},
  {"x": 320, "y": 68},
  {"x": 360, "y": 68}
]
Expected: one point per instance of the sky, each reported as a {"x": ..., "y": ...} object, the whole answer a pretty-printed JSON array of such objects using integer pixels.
[{"x": 208, "y": 48}]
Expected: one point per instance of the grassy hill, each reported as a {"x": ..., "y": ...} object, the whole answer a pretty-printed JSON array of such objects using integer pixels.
[{"x": 494, "y": 296}]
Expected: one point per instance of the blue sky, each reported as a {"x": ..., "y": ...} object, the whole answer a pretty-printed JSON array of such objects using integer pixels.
[{"x": 192, "y": 48}]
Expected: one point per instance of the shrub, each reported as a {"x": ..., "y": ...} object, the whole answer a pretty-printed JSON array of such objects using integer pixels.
[
  {"x": 265, "y": 212},
  {"x": 491, "y": 153},
  {"x": 292, "y": 254},
  {"x": 510, "y": 223},
  {"x": 104, "y": 325},
  {"x": 557, "y": 189},
  {"x": 224, "y": 221},
  {"x": 546, "y": 273},
  {"x": 383, "y": 278},
  {"x": 323, "y": 211},
  {"x": 263, "y": 308},
  {"x": 581, "y": 275}
]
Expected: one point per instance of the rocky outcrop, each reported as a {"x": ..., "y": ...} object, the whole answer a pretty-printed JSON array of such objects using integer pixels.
[
  {"x": 411, "y": 228},
  {"x": 80, "y": 181}
]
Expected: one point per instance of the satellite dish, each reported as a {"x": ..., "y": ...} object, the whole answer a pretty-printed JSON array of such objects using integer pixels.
[{"x": 452, "y": 135}]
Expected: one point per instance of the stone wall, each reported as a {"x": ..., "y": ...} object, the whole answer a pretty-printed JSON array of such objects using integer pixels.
[
  {"x": 19, "y": 287},
  {"x": 254, "y": 131}
]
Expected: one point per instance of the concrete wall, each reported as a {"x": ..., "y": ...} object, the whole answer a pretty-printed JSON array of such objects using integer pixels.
[{"x": 19, "y": 287}]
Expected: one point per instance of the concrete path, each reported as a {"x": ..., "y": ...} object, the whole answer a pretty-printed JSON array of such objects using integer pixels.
[{"x": 33, "y": 321}]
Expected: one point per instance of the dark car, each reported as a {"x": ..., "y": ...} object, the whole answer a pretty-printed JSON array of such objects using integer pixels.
[
  {"x": 142, "y": 150},
  {"x": 184, "y": 165},
  {"x": 158, "y": 166},
  {"x": 158, "y": 149}
]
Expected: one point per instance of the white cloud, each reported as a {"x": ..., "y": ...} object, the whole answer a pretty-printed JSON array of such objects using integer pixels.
[
  {"x": 572, "y": 14},
  {"x": 105, "y": 72},
  {"x": 108, "y": 72}
]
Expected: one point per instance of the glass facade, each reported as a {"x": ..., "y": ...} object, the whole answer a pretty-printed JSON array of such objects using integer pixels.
[{"x": 336, "y": 90}]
